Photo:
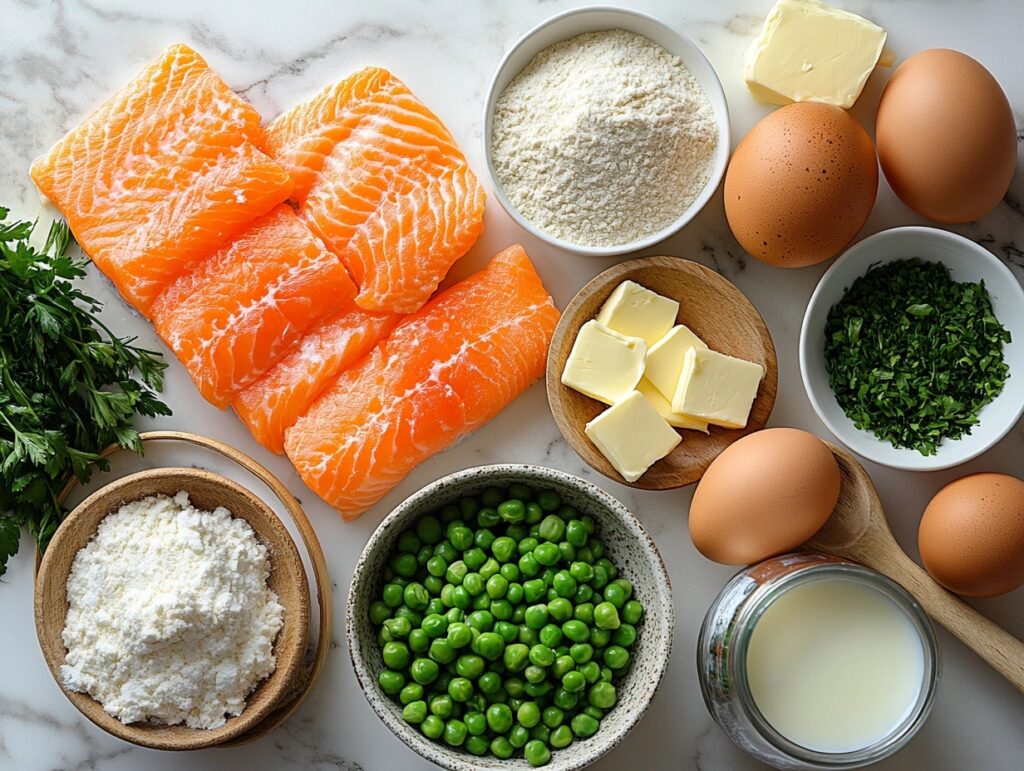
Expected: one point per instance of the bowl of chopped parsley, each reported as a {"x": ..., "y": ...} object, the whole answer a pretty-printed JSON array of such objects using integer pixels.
[{"x": 912, "y": 349}]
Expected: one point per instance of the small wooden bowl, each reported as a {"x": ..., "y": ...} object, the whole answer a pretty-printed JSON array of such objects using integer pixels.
[
  {"x": 717, "y": 312},
  {"x": 206, "y": 491}
]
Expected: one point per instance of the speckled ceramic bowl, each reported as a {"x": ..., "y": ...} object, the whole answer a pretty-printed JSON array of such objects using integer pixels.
[{"x": 628, "y": 546}]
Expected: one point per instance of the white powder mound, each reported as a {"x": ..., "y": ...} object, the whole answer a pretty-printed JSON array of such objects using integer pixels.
[
  {"x": 170, "y": 619},
  {"x": 603, "y": 139}
]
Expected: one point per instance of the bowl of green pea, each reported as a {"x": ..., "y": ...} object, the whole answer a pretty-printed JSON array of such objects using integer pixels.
[{"x": 510, "y": 617}]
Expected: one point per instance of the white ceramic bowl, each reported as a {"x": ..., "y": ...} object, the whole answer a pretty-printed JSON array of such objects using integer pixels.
[
  {"x": 594, "y": 19},
  {"x": 967, "y": 261},
  {"x": 627, "y": 545}
]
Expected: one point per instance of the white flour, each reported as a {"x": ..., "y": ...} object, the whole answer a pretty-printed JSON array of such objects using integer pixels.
[
  {"x": 603, "y": 139},
  {"x": 170, "y": 618}
]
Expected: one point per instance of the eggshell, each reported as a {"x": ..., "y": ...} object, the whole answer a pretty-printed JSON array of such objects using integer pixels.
[
  {"x": 801, "y": 184},
  {"x": 946, "y": 136},
  {"x": 764, "y": 495},
  {"x": 971, "y": 536}
]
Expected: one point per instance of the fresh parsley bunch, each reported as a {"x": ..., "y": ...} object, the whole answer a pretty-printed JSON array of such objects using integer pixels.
[{"x": 68, "y": 386}]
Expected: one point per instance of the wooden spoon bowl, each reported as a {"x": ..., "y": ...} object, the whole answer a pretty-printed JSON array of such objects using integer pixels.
[
  {"x": 858, "y": 530},
  {"x": 206, "y": 491},
  {"x": 716, "y": 311}
]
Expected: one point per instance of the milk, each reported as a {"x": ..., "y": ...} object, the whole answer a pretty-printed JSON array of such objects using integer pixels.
[{"x": 834, "y": 665}]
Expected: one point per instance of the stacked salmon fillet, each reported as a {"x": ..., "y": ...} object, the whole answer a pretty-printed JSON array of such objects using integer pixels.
[{"x": 291, "y": 268}]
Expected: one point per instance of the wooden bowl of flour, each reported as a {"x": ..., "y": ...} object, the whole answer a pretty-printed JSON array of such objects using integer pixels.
[{"x": 206, "y": 492}]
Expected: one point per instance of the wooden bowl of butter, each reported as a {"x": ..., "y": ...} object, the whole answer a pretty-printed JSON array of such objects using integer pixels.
[
  {"x": 173, "y": 609},
  {"x": 657, "y": 365}
]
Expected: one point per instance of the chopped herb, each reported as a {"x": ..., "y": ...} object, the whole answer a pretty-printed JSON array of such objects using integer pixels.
[
  {"x": 913, "y": 355},
  {"x": 68, "y": 385}
]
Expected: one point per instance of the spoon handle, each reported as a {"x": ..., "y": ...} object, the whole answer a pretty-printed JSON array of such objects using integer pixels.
[{"x": 1002, "y": 651}]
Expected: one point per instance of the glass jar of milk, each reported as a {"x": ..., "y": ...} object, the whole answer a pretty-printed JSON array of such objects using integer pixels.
[{"x": 808, "y": 661}]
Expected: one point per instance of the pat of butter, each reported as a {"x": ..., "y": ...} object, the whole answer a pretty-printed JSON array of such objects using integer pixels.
[
  {"x": 632, "y": 435},
  {"x": 717, "y": 388},
  {"x": 811, "y": 52},
  {"x": 638, "y": 312},
  {"x": 665, "y": 358},
  {"x": 603, "y": 364},
  {"x": 664, "y": 408}
]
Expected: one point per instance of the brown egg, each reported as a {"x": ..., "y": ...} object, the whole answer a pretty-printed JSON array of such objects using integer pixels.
[
  {"x": 971, "y": 536},
  {"x": 765, "y": 494},
  {"x": 946, "y": 136},
  {"x": 801, "y": 184}
]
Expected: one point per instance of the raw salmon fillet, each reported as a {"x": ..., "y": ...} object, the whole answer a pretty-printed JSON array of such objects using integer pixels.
[
  {"x": 444, "y": 372},
  {"x": 382, "y": 182},
  {"x": 274, "y": 402},
  {"x": 237, "y": 313},
  {"x": 162, "y": 174}
]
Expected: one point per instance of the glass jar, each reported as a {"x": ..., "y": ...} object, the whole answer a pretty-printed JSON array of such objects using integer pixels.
[{"x": 722, "y": 660}]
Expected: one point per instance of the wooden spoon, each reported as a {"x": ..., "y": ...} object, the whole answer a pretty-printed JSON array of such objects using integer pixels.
[{"x": 858, "y": 531}]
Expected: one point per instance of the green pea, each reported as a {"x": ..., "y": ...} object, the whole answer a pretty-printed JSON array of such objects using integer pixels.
[
  {"x": 469, "y": 507},
  {"x": 399, "y": 627},
  {"x": 434, "y": 585},
  {"x": 489, "y": 683},
  {"x": 602, "y": 695},
  {"x": 547, "y": 554},
  {"x": 591, "y": 671},
  {"x": 560, "y": 609},
  {"x": 576, "y": 631},
  {"x": 413, "y": 617},
  {"x": 416, "y": 596},
  {"x": 492, "y": 496},
  {"x": 550, "y": 635},
  {"x": 481, "y": 620},
  {"x": 567, "y": 551},
  {"x": 599, "y": 638},
  {"x": 516, "y": 657},
  {"x": 395, "y": 655},
  {"x": 583, "y": 725},
  {"x": 408, "y": 542},
  {"x": 429, "y": 529},
  {"x": 536, "y": 753},
  {"x": 424, "y": 671},
  {"x": 528, "y": 714},
  {"x": 432, "y": 727},
  {"x": 419, "y": 640},
  {"x": 616, "y": 657},
  {"x": 518, "y": 736},
  {"x": 454, "y": 732},
  {"x": 410, "y": 692},
  {"x": 392, "y": 595},
  {"x": 561, "y": 737},
  {"x": 499, "y": 718},
  {"x": 490, "y": 645},
  {"x": 600, "y": 579},
  {"x": 581, "y": 571},
  {"x": 502, "y": 748},
  {"x": 574, "y": 681},
  {"x": 509, "y": 571},
  {"x": 584, "y": 554},
  {"x": 423, "y": 555},
  {"x": 632, "y": 612},
  {"x": 455, "y": 615},
  {"x": 391, "y": 682},
  {"x": 455, "y": 572},
  {"x": 450, "y": 512},
  {"x": 379, "y": 612},
  {"x": 581, "y": 653},
  {"x": 512, "y": 511},
  {"x": 460, "y": 689},
  {"x": 576, "y": 533},
  {"x": 565, "y": 699},
  {"x": 516, "y": 593},
  {"x": 615, "y": 594},
  {"x": 536, "y": 616},
  {"x": 441, "y": 684},
  {"x": 461, "y": 598},
  {"x": 441, "y": 651},
  {"x": 527, "y": 545},
  {"x": 446, "y": 551},
  {"x": 514, "y": 686},
  {"x": 415, "y": 712},
  {"x": 435, "y": 625},
  {"x": 595, "y": 712},
  {"x": 461, "y": 537},
  {"x": 517, "y": 532},
  {"x": 564, "y": 584},
  {"x": 507, "y": 631},
  {"x": 520, "y": 492},
  {"x": 489, "y": 568},
  {"x": 549, "y": 500},
  {"x": 481, "y": 602},
  {"x": 584, "y": 612},
  {"x": 476, "y": 745},
  {"x": 625, "y": 635},
  {"x": 538, "y": 690},
  {"x": 562, "y": 665},
  {"x": 534, "y": 589},
  {"x": 552, "y": 528},
  {"x": 528, "y": 565},
  {"x": 583, "y": 594},
  {"x": 541, "y": 655},
  {"x": 488, "y": 517},
  {"x": 534, "y": 513},
  {"x": 474, "y": 584},
  {"x": 469, "y": 665},
  {"x": 503, "y": 548},
  {"x": 606, "y": 616},
  {"x": 476, "y": 723},
  {"x": 607, "y": 675}
]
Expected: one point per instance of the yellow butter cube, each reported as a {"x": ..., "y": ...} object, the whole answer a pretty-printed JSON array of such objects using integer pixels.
[
  {"x": 604, "y": 364},
  {"x": 717, "y": 388},
  {"x": 632, "y": 436}
]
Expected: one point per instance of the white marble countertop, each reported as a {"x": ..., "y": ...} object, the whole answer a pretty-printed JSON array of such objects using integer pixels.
[{"x": 60, "y": 59}]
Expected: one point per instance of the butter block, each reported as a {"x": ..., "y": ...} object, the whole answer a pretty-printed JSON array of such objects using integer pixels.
[
  {"x": 664, "y": 408},
  {"x": 665, "y": 358},
  {"x": 604, "y": 364},
  {"x": 811, "y": 52},
  {"x": 717, "y": 388},
  {"x": 638, "y": 312},
  {"x": 632, "y": 435}
]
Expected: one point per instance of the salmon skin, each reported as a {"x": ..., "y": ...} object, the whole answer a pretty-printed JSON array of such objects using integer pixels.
[
  {"x": 380, "y": 179},
  {"x": 162, "y": 174},
  {"x": 278, "y": 399},
  {"x": 237, "y": 313},
  {"x": 444, "y": 372}
]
